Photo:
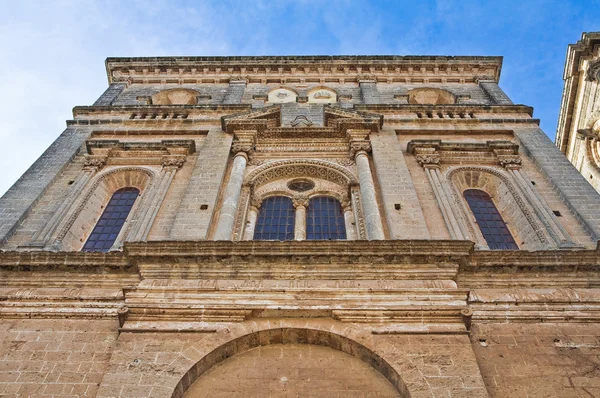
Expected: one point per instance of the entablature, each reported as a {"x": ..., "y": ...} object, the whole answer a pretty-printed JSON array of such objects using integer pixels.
[{"x": 322, "y": 69}]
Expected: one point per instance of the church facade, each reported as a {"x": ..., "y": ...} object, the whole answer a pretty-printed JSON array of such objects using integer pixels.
[{"x": 344, "y": 226}]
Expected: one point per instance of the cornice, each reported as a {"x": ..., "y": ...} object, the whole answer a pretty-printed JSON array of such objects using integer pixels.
[{"x": 228, "y": 69}]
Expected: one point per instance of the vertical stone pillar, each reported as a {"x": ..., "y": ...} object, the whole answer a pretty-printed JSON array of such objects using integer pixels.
[
  {"x": 300, "y": 203},
  {"x": 431, "y": 164},
  {"x": 156, "y": 196},
  {"x": 368, "y": 89},
  {"x": 251, "y": 220},
  {"x": 349, "y": 222},
  {"x": 231, "y": 197},
  {"x": 367, "y": 191},
  {"x": 91, "y": 166}
]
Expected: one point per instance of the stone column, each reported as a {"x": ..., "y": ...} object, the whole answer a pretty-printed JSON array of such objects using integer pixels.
[
  {"x": 431, "y": 164},
  {"x": 251, "y": 220},
  {"x": 349, "y": 220},
  {"x": 156, "y": 196},
  {"x": 300, "y": 203},
  {"x": 231, "y": 197},
  {"x": 91, "y": 166},
  {"x": 367, "y": 191}
]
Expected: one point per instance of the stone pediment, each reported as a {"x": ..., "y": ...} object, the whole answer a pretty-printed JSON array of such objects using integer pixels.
[
  {"x": 266, "y": 123},
  {"x": 259, "y": 119}
]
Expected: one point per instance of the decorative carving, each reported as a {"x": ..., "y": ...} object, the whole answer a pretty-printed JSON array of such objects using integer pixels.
[
  {"x": 358, "y": 213},
  {"x": 94, "y": 162},
  {"x": 238, "y": 79},
  {"x": 84, "y": 200},
  {"x": 301, "y": 168},
  {"x": 300, "y": 200},
  {"x": 245, "y": 147},
  {"x": 301, "y": 185},
  {"x": 173, "y": 161},
  {"x": 509, "y": 161},
  {"x": 514, "y": 192},
  {"x": 322, "y": 94},
  {"x": 366, "y": 78},
  {"x": 301, "y": 121},
  {"x": 593, "y": 72},
  {"x": 281, "y": 95},
  {"x": 428, "y": 160},
  {"x": 359, "y": 146}
]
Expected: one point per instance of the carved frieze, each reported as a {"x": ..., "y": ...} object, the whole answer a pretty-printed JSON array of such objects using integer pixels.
[
  {"x": 510, "y": 161},
  {"x": 593, "y": 72},
  {"x": 94, "y": 162},
  {"x": 173, "y": 161}
]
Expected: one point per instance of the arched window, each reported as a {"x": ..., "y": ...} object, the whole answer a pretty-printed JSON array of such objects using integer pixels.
[
  {"x": 275, "y": 219},
  {"x": 325, "y": 219},
  {"x": 111, "y": 221},
  {"x": 490, "y": 222}
]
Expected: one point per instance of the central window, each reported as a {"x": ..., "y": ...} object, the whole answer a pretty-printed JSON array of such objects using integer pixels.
[{"x": 275, "y": 219}]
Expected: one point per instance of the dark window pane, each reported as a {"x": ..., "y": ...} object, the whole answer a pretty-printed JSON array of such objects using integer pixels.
[
  {"x": 275, "y": 219},
  {"x": 325, "y": 219},
  {"x": 111, "y": 221},
  {"x": 490, "y": 222}
]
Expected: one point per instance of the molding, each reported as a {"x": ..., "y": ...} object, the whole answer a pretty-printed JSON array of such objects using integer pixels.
[{"x": 181, "y": 70}]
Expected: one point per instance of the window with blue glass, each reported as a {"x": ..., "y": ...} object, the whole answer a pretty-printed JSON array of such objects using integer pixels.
[
  {"x": 111, "y": 221},
  {"x": 490, "y": 222},
  {"x": 275, "y": 219},
  {"x": 325, "y": 219}
]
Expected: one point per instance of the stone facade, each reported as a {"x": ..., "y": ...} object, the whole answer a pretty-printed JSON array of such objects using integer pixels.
[
  {"x": 413, "y": 303},
  {"x": 579, "y": 118}
]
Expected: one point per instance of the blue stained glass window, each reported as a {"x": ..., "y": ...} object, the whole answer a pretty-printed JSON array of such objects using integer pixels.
[
  {"x": 275, "y": 219},
  {"x": 490, "y": 222},
  {"x": 111, "y": 221},
  {"x": 325, "y": 219}
]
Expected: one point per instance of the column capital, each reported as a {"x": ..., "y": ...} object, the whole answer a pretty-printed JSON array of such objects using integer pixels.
[
  {"x": 300, "y": 201},
  {"x": 358, "y": 147},
  {"x": 173, "y": 162},
  {"x": 429, "y": 161},
  {"x": 256, "y": 203},
  {"x": 510, "y": 161},
  {"x": 94, "y": 163},
  {"x": 242, "y": 148}
]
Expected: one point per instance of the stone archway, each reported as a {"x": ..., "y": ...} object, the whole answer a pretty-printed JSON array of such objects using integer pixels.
[
  {"x": 298, "y": 370},
  {"x": 326, "y": 344}
]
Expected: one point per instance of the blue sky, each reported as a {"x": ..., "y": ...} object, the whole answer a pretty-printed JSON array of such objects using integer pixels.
[{"x": 53, "y": 51}]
